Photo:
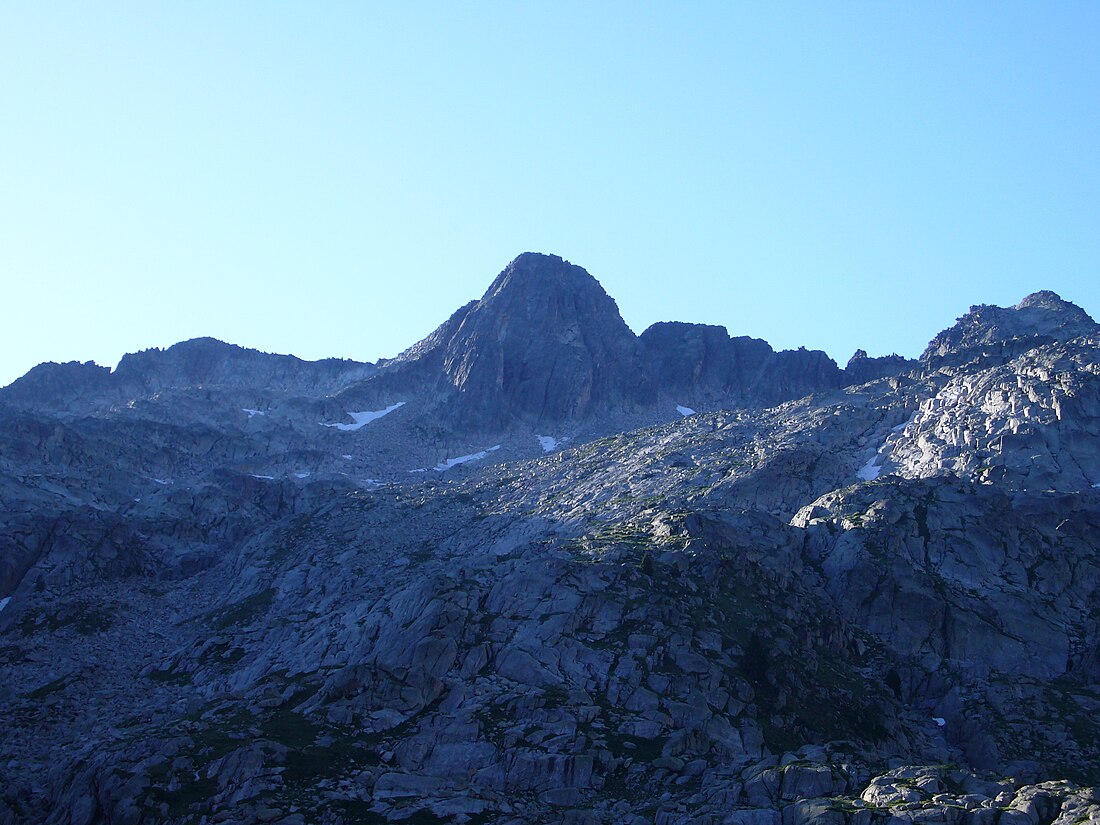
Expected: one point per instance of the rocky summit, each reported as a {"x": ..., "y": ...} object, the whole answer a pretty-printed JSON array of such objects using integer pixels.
[{"x": 539, "y": 569}]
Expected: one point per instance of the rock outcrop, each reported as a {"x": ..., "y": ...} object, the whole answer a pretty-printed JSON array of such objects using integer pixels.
[
  {"x": 990, "y": 331},
  {"x": 701, "y": 363},
  {"x": 861, "y": 368}
]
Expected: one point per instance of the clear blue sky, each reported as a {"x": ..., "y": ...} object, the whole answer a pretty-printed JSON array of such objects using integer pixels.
[{"x": 334, "y": 179}]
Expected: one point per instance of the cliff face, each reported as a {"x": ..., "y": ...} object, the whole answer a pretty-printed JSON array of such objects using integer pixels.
[
  {"x": 245, "y": 588},
  {"x": 699, "y": 361}
]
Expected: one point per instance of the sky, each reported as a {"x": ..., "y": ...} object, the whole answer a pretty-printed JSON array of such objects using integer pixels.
[{"x": 334, "y": 179}]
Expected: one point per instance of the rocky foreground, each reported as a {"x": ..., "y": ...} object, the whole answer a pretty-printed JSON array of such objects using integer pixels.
[{"x": 539, "y": 569}]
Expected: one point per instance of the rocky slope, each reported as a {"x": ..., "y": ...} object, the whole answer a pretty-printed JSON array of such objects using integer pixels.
[{"x": 501, "y": 578}]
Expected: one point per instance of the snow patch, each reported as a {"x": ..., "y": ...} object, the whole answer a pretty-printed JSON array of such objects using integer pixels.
[
  {"x": 346, "y": 456},
  {"x": 873, "y": 469},
  {"x": 301, "y": 475},
  {"x": 447, "y": 464},
  {"x": 263, "y": 478},
  {"x": 870, "y": 470},
  {"x": 162, "y": 481},
  {"x": 4, "y": 603},
  {"x": 462, "y": 459},
  {"x": 904, "y": 424},
  {"x": 1096, "y": 486},
  {"x": 684, "y": 411},
  {"x": 548, "y": 443},
  {"x": 364, "y": 418},
  {"x": 939, "y": 720},
  {"x": 252, "y": 413}
]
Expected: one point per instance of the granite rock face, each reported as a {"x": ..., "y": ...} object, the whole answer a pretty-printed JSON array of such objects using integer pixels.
[
  {"x": 1029, "y": 423},
  {"x": 703, "y": 363},
  {"x": 502, "y": 579}
]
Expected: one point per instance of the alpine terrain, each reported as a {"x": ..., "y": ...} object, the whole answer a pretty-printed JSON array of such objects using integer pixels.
[{"x": 540, "y": 569}]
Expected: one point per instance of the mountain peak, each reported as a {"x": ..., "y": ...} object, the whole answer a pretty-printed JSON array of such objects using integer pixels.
[
  {"x": 1043, "y": 296},
  {"x": 533, "y": 273},
  {"x": 1047, "y": 299},
  {"x": 52, "y": 383},
  {"x": 1040, "y": 315},
  {"x": 544, "y": 343},
  {"x": 528, "y": 260}
]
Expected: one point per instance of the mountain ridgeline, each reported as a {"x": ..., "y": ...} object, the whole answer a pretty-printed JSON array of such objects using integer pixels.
[
  {"x": 545, "y": 345},
  {"x": 537, "y": 568}
]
